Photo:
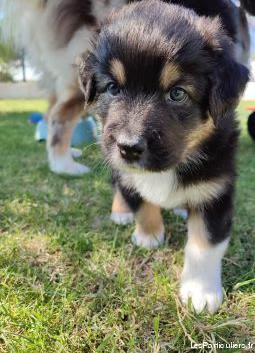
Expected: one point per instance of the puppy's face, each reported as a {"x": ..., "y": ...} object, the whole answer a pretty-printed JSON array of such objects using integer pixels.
[{"x": 161, "y": 79}]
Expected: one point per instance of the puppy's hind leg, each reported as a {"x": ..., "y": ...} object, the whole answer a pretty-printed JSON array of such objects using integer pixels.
[{"x": 62, "y": 120}]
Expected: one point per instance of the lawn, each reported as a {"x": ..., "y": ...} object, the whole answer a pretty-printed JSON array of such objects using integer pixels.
[{"x": 71, "y": 281}]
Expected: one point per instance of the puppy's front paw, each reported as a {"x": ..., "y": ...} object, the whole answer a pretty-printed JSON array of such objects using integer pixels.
[
  {"x": 203, "y": 294},
  {"x": 148, "y": 241},
  {"x": 122, "y": 218}
]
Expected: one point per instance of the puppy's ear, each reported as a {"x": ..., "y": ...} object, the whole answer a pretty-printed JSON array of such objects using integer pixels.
[
  {"x": 86, "y": 77},
  {"x": 227, "y": 84},
  {"x": 229, "y": 77}
]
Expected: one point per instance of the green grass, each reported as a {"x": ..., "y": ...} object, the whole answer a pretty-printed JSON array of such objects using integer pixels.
[{"x": 71, "y": 281}]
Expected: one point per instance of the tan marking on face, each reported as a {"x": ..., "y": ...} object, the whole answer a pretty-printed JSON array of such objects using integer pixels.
[
  {"x": 118, "y": 71},
  {"x": 199, "y": 134},
  {"x": 198, "y": 233},
  {"x": 149, "y": 220},
  {"x": 170, "y": 74},
  {"x": 190, "y": 90},
  {"x": 119, "y": 205}
]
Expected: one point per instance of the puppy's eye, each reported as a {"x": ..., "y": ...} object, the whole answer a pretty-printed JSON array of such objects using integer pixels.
[
  {"x": 177, "y": 94},
  {"x": 113, "y": 89}
]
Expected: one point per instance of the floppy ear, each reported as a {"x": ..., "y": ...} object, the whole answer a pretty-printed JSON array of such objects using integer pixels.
[
  {"x": 227, "y": 84},
  {"x": 87, "y": 78},
  {"x": 249, "y": 6},
  {"x": 228, "y": 78}
]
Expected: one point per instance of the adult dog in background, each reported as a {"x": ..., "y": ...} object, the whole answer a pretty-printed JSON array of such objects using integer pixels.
[
  {"x": 165, "y": 83},
  {"x": 54, "y": 33}
]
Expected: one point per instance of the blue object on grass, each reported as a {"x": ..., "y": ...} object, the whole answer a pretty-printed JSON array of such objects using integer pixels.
[
  {"x": 41, "y": 132},
  {"x": 35, "y": 118},
  {"x": 84, "y": 132}
]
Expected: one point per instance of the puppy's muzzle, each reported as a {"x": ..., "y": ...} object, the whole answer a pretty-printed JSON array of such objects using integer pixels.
[{"x": 131, "y": 151}]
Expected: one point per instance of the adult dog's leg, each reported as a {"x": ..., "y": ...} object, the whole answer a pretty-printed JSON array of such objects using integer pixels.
[
  {"x": 52, "y": 101},
  {"x": 208, "y": 237},
  {"x": 75, "y": 152},
  {"x": 62, "y": 120}
]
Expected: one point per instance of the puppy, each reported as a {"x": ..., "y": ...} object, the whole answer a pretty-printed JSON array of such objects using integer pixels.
[
  {"x": 54, "y": 33},
  {"x": 165, "y": 83}
]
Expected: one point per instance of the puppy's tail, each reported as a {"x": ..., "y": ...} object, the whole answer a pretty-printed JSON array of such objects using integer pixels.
[{"x": 249, "y": 6}]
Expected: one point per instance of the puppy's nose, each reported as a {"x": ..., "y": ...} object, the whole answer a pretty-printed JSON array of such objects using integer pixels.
[{"x": 132, "y": 151}]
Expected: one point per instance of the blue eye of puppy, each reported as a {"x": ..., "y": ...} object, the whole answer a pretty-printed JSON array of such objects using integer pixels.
[
  {"x": 113, "y": 89},
  {"x": 177, "y": 94}
]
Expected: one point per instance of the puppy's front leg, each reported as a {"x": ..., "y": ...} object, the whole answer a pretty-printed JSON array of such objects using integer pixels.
[
  {"x": 208, "y": 237},
  {"x": 149, "y": 231}
]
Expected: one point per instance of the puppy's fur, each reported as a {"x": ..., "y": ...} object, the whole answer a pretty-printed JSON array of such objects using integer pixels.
[
  {"x": 54, "y": 33},
  {"x": 165, "y": 83},
  {"x": 249, "y": 6}
]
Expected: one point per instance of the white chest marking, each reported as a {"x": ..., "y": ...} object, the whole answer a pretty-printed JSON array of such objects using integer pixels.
[{"x": 162, "y": 189}]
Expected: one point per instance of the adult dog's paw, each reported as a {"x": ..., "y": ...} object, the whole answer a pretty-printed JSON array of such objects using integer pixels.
[
  {"x": 76, "y": 152},
  {"x": 68, "y": 166},
  {"x": 202, "y": 294},
  {"x": 71, "y": 168}
]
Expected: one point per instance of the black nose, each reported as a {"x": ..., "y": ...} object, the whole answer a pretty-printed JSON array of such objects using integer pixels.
[{"x": 132, "y": 151}]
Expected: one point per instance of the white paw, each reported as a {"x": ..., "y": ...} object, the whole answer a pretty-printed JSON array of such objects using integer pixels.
[
  {"x": 150, "y": 241},
  {"x": 202, "y": 294},
  {"x": 68, "y": 166},
  {"x": 122, "y": 217},
  {"x": 76, "y": 153},
  {"x": 76, "y": 168}
]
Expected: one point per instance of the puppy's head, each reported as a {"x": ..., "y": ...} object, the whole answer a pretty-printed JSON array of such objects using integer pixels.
[{"x": 162, "y": 79}]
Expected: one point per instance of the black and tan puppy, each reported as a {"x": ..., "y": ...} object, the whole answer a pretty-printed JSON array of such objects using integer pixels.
[{"x": 165, "y": 83}]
